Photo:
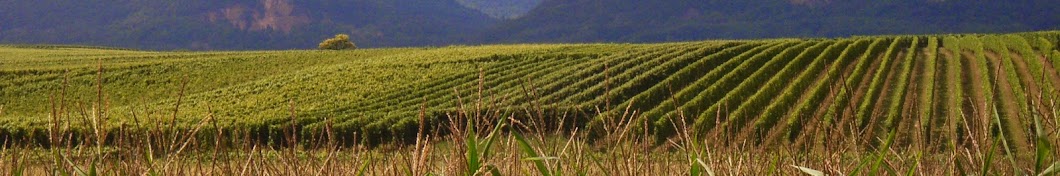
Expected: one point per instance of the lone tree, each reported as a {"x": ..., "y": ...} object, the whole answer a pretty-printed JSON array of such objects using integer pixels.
[{"x": 340, "y": 42}]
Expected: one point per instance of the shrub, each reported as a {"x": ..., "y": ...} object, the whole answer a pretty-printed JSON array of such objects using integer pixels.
[{"x": 340, "y": 42}]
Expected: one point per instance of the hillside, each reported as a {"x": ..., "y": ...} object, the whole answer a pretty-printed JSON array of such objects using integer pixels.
[
  {"x": 772, "y": 88},
  {"x": 237, "y": 24},
  {"x": 686, "y": 20},
  {"x": 290, "y": 24},
  {"x": 502, "y": 9}
]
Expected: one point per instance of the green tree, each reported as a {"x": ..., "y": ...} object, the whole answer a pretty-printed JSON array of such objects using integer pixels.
[{"x": 340, "y": 42}]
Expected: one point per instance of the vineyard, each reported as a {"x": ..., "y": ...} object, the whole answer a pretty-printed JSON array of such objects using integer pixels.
[{"x": 778, "y": 92}]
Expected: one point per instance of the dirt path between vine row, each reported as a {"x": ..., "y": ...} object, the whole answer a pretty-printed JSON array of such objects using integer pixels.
[
  {"x": 910, "y": 122},
  {"x": 1009, "y": 107},
  {"x": 817, "y": 123},
  {"x": 835, "y": 87},
  {"x": 1051, "y": 74},
  {"x": 845, "y": 116},
  {"x": 975, "y": 105},
  {"x": 943, "y": 99},
  {"x": 1032, "y": 89},
  {"x": 1054, "y": 78},
  {"x": 942, "y": 73},
  {"x": 879, "y": 109},
  {"x": 860, "y": 90}
]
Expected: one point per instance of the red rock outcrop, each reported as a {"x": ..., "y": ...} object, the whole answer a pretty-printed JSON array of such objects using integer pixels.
[{"x": 277, "y": 15}]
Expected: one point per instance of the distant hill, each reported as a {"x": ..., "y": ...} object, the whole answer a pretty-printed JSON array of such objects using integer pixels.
[
  {"x": 300, "y": 24},
  {"x": 502, "y": 9},
  {"x": 678, "y": 20},
  {"x": 236, "y": 24}
]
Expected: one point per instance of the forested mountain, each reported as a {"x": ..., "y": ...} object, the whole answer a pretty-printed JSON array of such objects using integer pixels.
[
  {"x": 236, "y": 24},
  {"x": 675, "y": 20},
  {"x": 300, "y": 24},
  {"x": 502, "y": 9}
]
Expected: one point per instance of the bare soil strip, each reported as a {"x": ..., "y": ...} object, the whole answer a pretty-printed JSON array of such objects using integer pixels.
[
  {"x": 836, "y": 86},
  {"x": 845, "y": 117},
  {"x": 779, "y": 130},
  {"x": 1033, "y": 90},
  {"x": 943, "y": 114},
  {"x": 879, "y": 109},
  {"x": 1009, "y": 108},
  {"x": 861, "y": 88},
  {"x": 975, "y": 106},
  {"x": 1051, "y": 75},
  {"x": 910, "y": 120}
]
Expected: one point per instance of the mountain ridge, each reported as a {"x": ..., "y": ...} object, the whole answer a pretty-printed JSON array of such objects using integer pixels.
[
  {"x": 236, "y": 24},
  {"x": 684, "y": 20},
  {"x": 289, "y": 24}
]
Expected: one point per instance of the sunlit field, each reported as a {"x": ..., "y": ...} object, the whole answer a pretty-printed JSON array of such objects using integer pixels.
[{"x": 961, "y": 104}]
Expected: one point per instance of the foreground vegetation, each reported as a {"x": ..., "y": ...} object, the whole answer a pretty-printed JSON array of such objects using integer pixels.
[
  {"x": 491, "y": 144},
  {"x": 940, "y": 104}
]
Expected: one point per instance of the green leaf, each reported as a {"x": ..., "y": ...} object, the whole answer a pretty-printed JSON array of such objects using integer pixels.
[
  {"x": 598, "y": 164},
  {"x": 92, "y": 170},
  {"x": 61, "y": 171},
  {"x": 529, "y": 150},
  {"x": 493, "y": 135},
  {"x": 812, "y": 172},
  {"x": 493, "y": 170},
  {"x": 960, "y": 169},
  {"x": 472, "y": 155},
  {"x": 881, "y": 154},
  {"x": 912, "y": 170},
  {"x": 364, "y": 167},
  {"x": 1043, "y": 149},
  {"x": 18, "y": 171},
  {"x": 1052, "y": 169},
  {"x": 989, "y": 157},
  {"x": 695, "y": 170},
  {"x": 710, "y": 172},
  {"x": 542, "y": 158}
]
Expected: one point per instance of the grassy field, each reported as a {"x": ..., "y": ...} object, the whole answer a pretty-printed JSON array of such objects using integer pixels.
[{"x": 929, "y": 104}]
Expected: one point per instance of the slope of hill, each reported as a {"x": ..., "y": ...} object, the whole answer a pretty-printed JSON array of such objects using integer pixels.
[
  {"x": 502, "y": 9},
  {"x": 682, "y": 20},
  {"x": 765, "y": 88},
  {"x": 287, "y": 24},
  {"x": 236, "y": 24}
]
